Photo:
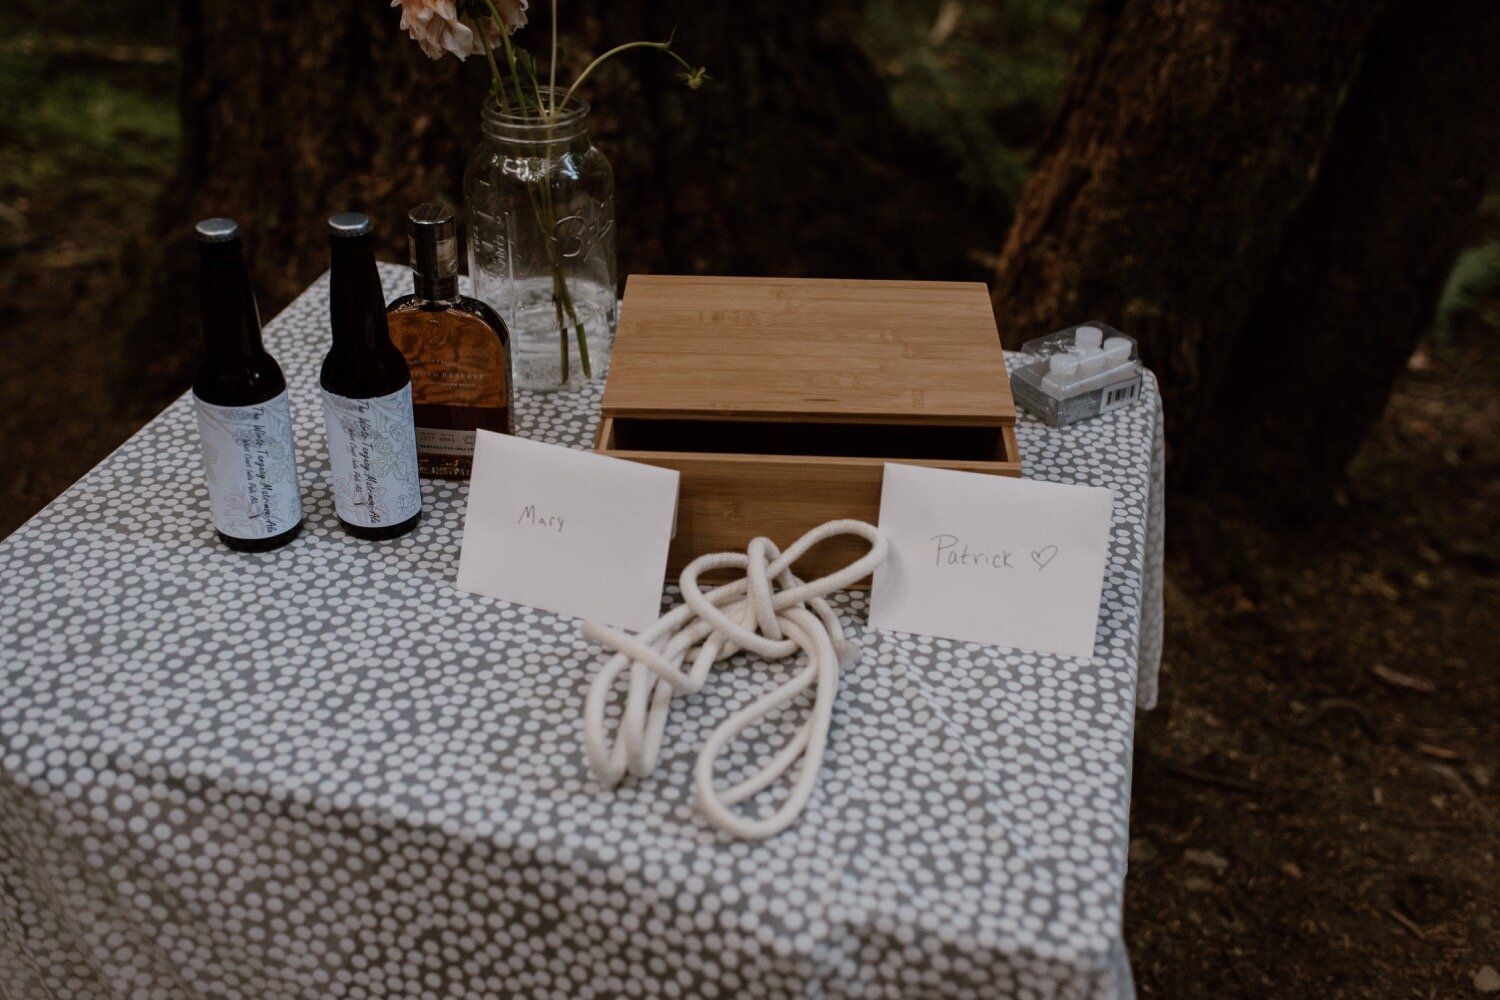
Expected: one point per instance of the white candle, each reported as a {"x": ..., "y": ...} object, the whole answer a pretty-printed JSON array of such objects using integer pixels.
[
  {"x": 1088, "y": 337},
  {"x": 1116, "y": 351},
  {"x": 1091, "y": 361},
  {"x": 1062, "y": 371}
]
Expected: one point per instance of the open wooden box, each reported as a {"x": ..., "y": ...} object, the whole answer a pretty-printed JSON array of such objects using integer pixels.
[{"x": 780, "y": 399}]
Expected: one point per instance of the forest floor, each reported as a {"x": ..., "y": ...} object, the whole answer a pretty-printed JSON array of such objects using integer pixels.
[{"x": 1316, "y": 801}]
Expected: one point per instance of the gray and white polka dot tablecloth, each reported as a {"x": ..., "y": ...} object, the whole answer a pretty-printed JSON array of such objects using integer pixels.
[{"x": 323, "y": 772}]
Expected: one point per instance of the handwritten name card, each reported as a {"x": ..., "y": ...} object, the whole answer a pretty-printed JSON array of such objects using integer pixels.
[
  {"x": 567, "y": 531},
  {"x": 1009, "y": 562}
]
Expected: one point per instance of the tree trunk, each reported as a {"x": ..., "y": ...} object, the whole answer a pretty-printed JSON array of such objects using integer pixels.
[
  {"x": 1267, "y": 196},
  {"x": 291, "y": 112},
  {"x": 789, "y": 161},
  {"x": 1188, "y": 133},
  {"x": 1363, "y": 263}
]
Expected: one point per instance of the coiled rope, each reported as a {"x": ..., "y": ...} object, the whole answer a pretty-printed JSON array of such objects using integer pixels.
[{"x": 768, "y": 612}]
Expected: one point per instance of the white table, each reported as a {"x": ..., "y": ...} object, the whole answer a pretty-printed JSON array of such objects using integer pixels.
[{"x": 324, "y": 772}]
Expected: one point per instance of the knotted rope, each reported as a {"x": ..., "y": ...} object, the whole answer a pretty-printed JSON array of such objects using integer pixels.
[{"x": 750, "y": 614}]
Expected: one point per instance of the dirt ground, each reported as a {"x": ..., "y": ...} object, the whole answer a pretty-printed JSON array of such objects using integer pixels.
[
  {"x": 1317, "y": 800},
  {"x": 1316, "y": 809}
]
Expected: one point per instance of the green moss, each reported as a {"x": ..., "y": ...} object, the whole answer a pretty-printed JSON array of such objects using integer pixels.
[
  {"x": 976, "y": 80},
  {"x": 99, "y": 136},
  {"x": 1471, "y": 292}
]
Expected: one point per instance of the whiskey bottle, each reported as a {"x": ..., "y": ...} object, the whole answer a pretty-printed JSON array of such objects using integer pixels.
[
  {"x": 239, "y": 394},
  {"x": 372, "y": 444},
  {"x": 457, "y": 347}
]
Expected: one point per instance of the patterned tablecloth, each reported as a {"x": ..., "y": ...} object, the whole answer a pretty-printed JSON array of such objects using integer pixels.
[{"x": 323, "y": 772}]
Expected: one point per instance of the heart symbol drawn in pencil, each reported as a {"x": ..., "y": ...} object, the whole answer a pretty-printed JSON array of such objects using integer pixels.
[{"x": 1043, "y": 556}]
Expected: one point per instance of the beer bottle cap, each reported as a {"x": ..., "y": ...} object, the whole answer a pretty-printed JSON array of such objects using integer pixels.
[
  {"x": 349, "y": 224},
  {"x": 217, "y": 230}
]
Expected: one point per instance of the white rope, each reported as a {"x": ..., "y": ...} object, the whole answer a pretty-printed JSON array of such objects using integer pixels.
[{"x": 750, "y": 614}]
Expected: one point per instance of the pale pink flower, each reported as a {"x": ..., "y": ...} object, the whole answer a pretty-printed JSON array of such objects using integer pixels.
[
  {"x": 436, "y": 26},
  {"x": 513, "y": 13}
]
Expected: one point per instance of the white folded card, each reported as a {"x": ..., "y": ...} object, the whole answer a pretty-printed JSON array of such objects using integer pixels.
[
  {"x": 1009, "y": 562},
  {"x": 567, "y": 531}
]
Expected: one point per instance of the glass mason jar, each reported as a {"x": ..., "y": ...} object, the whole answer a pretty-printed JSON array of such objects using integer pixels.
[{"x": 541, "y": 229}]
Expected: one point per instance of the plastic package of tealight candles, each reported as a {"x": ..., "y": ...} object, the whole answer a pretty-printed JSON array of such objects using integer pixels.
[{"x": 1078, "y": 373}]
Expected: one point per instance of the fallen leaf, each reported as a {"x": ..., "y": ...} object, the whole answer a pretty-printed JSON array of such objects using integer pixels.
[
  {"x": 1431, "y": 750},
  {"x": 947, "y": 19},
  {"x": 1487, "y": 980},
  {"x": 1291, "y": 869},
  {"x": 1407, "y": 922},
  {"x": 1396, "y": 678},
  {"x": 1207, "y": 859}
]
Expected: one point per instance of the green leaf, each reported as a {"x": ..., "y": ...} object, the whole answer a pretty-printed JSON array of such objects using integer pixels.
[{"x": 526, "y": 68}]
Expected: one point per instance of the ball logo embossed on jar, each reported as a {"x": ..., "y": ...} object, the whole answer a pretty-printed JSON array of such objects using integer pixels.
[{"x": 578, "y": 235}]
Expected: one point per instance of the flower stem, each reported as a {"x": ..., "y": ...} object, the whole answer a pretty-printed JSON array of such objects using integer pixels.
[
  {"x": 510, "y": 58},
  {"x": 663, "y": 46},
  {"x": 497, "y": 85},
  {"x": 562, "y": 326},
  {"x": 579, "y": 334},
  {"x": 552, "y": 67},
  {"x": 560, "y": 289},
  {"x": 539, "y": 192}
]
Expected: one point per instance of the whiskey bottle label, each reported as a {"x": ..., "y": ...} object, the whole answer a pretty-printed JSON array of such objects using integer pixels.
[
  {"x": 458, "y": 377},
  {"x": 251, "y": 467},
  {"x": 372, "y": 450},
  {"x": 441, "y": 441}
]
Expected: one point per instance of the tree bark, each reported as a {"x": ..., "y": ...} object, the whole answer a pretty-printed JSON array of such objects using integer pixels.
[
  {"x": 1188, "y": 132},
  {"x": 291, "y": 112},
  {"x": 1268, "y": 197},
  {"x": 1363, "y": 262},
  {"x": 789, "y": 161}
]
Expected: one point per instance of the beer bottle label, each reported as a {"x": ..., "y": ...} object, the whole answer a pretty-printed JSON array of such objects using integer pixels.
[
  {"x": 372, "y": 449},
  {"x": 251, "y": 467}
]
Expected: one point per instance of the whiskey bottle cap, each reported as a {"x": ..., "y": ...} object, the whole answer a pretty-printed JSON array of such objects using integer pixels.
[
  {"x": 433, "y": 240},
  {"x": 217, "y": 230},
  {"x": 349, "y": 224}
]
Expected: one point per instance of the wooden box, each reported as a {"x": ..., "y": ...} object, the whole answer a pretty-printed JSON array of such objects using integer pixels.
[{"x": 779, "y": 399}]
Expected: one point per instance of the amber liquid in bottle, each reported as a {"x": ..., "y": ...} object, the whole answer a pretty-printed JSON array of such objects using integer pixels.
[{"x": 456, "y": 347}]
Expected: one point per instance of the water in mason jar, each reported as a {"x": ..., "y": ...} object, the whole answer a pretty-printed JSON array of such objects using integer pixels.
[
  {"x": 526, "y": 305},
  {"x": 536, "y": 350}
]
